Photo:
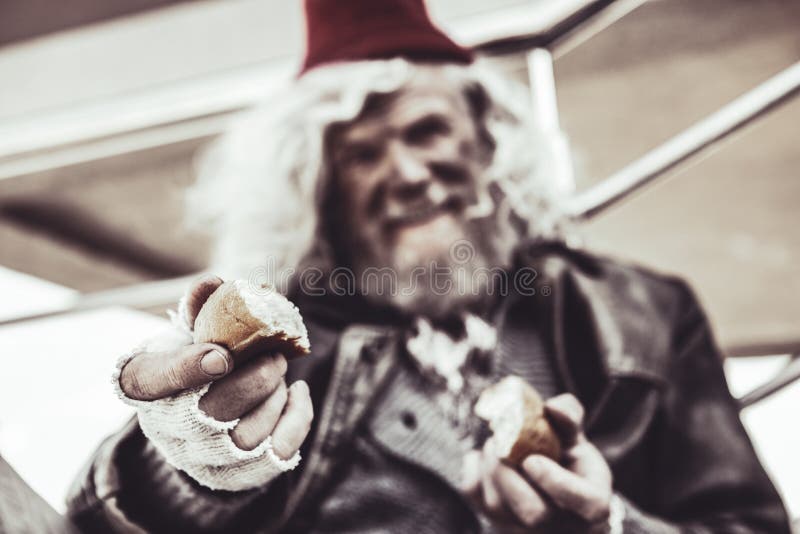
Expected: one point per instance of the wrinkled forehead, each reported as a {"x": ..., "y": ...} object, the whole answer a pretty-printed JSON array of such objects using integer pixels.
[{"x": 396, "y": 110}]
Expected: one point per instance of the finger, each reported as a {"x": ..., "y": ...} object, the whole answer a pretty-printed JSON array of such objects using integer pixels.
[
  {"x": 520, "y": 497},
  {"x": 586, "y": 461},
  {"x": 154, "y": 375},
  {"x": 294, "y": 424},
  {"x": 471, "y": 473},
  {"x": 492, "y": 500},
  {"x": 245, "y": 388},
  {"x": 197, "y": 294},
  {"x": 581, "y": 457},
  {"x": 566, "y": 413},
  {"x": 567, "y": 490},
  {"x": 260, "y": 422}
]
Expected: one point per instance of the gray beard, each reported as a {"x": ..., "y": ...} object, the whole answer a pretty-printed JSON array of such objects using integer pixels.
[
  {"x": 444, "y": 289},
  {"x": 447, "y": 285}
]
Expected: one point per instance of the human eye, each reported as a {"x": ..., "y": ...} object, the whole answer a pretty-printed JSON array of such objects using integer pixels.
[
  {"x": 360, "y": 154},
  {"x": 426, "y": 130}
]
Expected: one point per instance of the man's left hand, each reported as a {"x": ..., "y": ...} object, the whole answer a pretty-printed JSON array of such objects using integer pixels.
[{"x": 542, "y": 488}]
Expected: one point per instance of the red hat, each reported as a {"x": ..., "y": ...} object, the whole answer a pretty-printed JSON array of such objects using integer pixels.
[{"x": 351, "y": 30}]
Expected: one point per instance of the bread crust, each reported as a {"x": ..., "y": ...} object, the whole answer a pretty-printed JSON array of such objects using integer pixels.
[
  {"x": 226, "y": 320},
  {"x": 537, "y": 435}
]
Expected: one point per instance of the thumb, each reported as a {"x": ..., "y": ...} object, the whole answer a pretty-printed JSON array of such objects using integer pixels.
[
  {"x": 154, "y": 375},
  {"x": 565, "y": 412}
]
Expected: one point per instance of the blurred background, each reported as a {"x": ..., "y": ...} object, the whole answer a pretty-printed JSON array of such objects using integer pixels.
[{"x": 103, "y": 106}]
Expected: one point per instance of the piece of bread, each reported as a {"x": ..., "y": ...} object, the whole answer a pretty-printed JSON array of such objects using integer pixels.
[
  {"x": 250, "y": 320},
  {"x": 515, "y": 413}
]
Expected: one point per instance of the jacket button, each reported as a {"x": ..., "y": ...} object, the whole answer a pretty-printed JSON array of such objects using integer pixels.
[
  {"x": 409, "y": 420},
  {"x": 368, "y": 354},
  {"x": 372, "y": 350}
]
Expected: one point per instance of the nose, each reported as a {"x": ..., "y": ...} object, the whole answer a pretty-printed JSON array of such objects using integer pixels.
[{"x": 411, "y": 175}]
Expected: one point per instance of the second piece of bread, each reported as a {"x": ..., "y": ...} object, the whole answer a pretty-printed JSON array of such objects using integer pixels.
[{"x": 515, "y": 413}]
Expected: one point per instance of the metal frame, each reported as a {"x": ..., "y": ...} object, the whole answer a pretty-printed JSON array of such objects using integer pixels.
[
  {"x": 560, "y": 28},
  {"x": 786, "y": 377},
  {"x": 691, "y": 142},
  {"x": 545, "y": 112}
]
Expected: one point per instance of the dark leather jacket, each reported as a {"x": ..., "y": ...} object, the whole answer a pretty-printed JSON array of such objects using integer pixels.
[{"x": 633, "y": 345}]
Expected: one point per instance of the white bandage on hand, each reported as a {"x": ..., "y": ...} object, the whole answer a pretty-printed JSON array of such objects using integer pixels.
[{"x": 192, "y": 441}]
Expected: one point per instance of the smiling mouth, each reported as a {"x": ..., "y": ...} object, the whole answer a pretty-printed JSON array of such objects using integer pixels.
[{"x": 424, "y": 214}]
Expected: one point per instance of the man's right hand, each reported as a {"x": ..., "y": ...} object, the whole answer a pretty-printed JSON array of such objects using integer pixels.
[{"x": 255, "y": 392}]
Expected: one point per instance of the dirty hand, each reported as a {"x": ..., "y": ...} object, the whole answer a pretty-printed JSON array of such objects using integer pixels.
[
  {"x": 578, "y": 489},
  {"x": 255, "y": 391}
]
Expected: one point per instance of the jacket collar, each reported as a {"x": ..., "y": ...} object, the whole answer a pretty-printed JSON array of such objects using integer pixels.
[{"x": 603, "y": 313}]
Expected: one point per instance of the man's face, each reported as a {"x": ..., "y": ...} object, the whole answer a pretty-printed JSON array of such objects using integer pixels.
[{"x": 406, "y": 171}]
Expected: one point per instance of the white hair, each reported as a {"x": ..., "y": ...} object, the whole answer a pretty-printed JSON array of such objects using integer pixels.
[{"x": 257, "y": 186}]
